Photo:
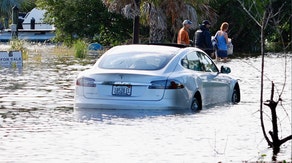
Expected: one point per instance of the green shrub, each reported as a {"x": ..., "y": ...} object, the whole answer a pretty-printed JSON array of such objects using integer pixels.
[{"x": 80, "y": 49}]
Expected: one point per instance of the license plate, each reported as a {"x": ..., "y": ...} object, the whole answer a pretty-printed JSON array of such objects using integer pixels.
[{"x": 122, "y": 90}]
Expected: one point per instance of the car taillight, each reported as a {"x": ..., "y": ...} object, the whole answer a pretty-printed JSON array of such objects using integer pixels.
[
  {"x": 166, "y": 84},
  {"x": 86, "y": 82}
]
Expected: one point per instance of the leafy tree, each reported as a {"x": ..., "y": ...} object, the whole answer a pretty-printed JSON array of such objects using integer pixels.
[
  {"x": 281, "y": 33},
  {"x": 92, "y": 21},
  {"x": 242, "y": 27},
  {"x": 230, "y": 11},
  {"x": 264, "y": 14},
  {"x": 161, "y": 15},
  {"x": 7, "y": 5}
]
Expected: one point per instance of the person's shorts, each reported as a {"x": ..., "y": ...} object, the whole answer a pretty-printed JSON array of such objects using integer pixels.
[{"x": 222, "y": 53}]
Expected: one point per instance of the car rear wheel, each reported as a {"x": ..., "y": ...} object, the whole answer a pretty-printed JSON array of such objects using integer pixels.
[
  {"x": 196, "y": 103},
  {"x": 235, "y": 96}
]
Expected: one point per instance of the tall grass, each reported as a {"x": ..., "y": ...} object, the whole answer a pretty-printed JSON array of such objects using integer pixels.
[
  {"x": 80, "y": 48},
  {"x": 18, "y": 45}
]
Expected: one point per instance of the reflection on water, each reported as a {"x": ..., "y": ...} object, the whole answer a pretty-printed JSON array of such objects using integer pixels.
[
  {"x": 101, "y": 115},
  {"x": 38, "y": 122}
]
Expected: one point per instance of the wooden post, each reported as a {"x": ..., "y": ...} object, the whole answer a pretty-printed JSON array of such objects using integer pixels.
[{"x": 14, "y": 30}]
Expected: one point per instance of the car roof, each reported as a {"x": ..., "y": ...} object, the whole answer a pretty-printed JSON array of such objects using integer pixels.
[
  {"x": 140, "y": 48},
  {"x": 175, "y": 51}
]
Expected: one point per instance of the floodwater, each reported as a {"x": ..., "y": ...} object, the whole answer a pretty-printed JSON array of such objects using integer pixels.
[{"x": 38, "y": 123}]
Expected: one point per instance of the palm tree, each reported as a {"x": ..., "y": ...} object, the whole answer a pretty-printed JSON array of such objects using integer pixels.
[
  {"x": 156, "y": 13},
  {"x": 131, "y": 9}
]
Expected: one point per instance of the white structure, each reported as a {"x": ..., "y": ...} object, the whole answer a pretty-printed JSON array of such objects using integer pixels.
[
  {"x": 41, "y": 31},
  {"x": 38, "y": 15}
]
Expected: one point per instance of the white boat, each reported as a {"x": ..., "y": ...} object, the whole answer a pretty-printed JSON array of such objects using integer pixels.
[
  {"x": 38, "y": 16},
  {"x": 35, "y": 30}
]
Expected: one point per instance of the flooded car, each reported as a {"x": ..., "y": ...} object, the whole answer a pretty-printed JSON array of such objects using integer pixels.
[{"x": 155, "y": 77}]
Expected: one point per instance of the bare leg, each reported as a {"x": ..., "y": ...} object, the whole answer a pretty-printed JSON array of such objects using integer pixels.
[{"x": 216, "y": 56}]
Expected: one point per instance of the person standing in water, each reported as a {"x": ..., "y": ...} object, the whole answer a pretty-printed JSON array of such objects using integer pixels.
[
  {"x": 183, "y": 34},
  {"x": 222, "y": 41},
  {"x": 202, "y": 38}
]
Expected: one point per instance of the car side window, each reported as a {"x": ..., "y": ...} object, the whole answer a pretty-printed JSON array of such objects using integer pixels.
[
  {"x": 185, "y": 62},
  {"x": 207, "y": 62},
  {"x": 192, "y": 61}
]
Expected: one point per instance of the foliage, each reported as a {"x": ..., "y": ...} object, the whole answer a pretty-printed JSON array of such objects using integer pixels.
[
  {"x": 163, "y": 17},
  {"x": 17, "y": 44},
  {"x": 7, "y": 5},
  {"x": 27, "y": 5},
  {"x": 175, "y": 10},
  {"x": 242, "y": 27},
  {"x": 283, "y": 19},
  {"x": 80, "y": 48},
  {"x": 263, "y": 15},
  {"x": 92, "y": 21}
]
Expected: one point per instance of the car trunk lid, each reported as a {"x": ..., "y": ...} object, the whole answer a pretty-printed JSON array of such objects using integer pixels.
[{"x": 122, "y": 86}]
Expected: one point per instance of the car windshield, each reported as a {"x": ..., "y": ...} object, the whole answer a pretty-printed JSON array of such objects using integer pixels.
[{"x": 135, "y": 61}]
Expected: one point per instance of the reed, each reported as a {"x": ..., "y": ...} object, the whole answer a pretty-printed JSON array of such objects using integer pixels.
[
  {"x": 80, "y": 48},
  {"x": 19, "y": 45}
]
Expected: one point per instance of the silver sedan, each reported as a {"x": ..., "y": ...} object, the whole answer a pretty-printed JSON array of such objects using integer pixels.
[{"x": 155, "y": 77}]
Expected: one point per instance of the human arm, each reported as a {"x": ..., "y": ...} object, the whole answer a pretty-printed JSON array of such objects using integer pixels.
[
  {"x": 208, "y": 40},
  {"x": 226, "y": 37}
]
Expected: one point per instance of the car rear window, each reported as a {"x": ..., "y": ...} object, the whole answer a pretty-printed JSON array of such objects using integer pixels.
[{"x": 135, "y": 61}]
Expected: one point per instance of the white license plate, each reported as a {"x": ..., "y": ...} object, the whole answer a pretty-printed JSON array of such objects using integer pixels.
[{"x": 122, "y": 90}]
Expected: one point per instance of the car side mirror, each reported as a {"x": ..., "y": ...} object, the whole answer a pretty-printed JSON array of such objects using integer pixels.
[{"x": 225, "y": 70}]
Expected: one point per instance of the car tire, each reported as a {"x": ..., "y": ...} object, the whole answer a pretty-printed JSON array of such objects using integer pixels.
[
  {"x": 196, "y": 103},
  {"x": 235, "y": 96}
]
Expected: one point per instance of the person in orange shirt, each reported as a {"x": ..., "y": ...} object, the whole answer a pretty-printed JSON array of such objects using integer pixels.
[{"x": 183, "y": 34}]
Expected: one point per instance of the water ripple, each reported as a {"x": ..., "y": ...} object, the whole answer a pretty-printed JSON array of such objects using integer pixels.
[{"x": 37, "y": 121}]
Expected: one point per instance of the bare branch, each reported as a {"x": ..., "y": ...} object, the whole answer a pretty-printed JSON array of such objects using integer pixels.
[
  {"x": 279, "y": 10},
  {"x": 276, "y": 19},
  {"x": 249, "y": 13},
  {"x": 282, "y": 141},
  {"x": 267, "y": 17}
]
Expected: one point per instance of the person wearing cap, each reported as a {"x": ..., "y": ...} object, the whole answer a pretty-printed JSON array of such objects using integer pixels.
[
  {"x": 202, "y": 38},
  {"x": 183, "y": 34}
]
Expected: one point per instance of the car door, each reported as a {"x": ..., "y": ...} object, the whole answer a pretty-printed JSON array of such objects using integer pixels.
[
  {"x": 216, "y": 84},
  {"x": 192, "y": 62}
]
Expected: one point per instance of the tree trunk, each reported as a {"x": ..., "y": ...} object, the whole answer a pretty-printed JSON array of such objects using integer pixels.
[
  {"x": 156, "y": 32},
  {"x": 274, "y": 134},
  {"x": 262, "y": 79},
  {"x": 156, "y": 35},
  {"x": 275, "y": 143},
  {"x": 136, "y": 25}
]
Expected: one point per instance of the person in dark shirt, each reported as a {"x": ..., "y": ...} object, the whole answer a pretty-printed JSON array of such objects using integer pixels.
[{"x": 202, "y": 38}]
